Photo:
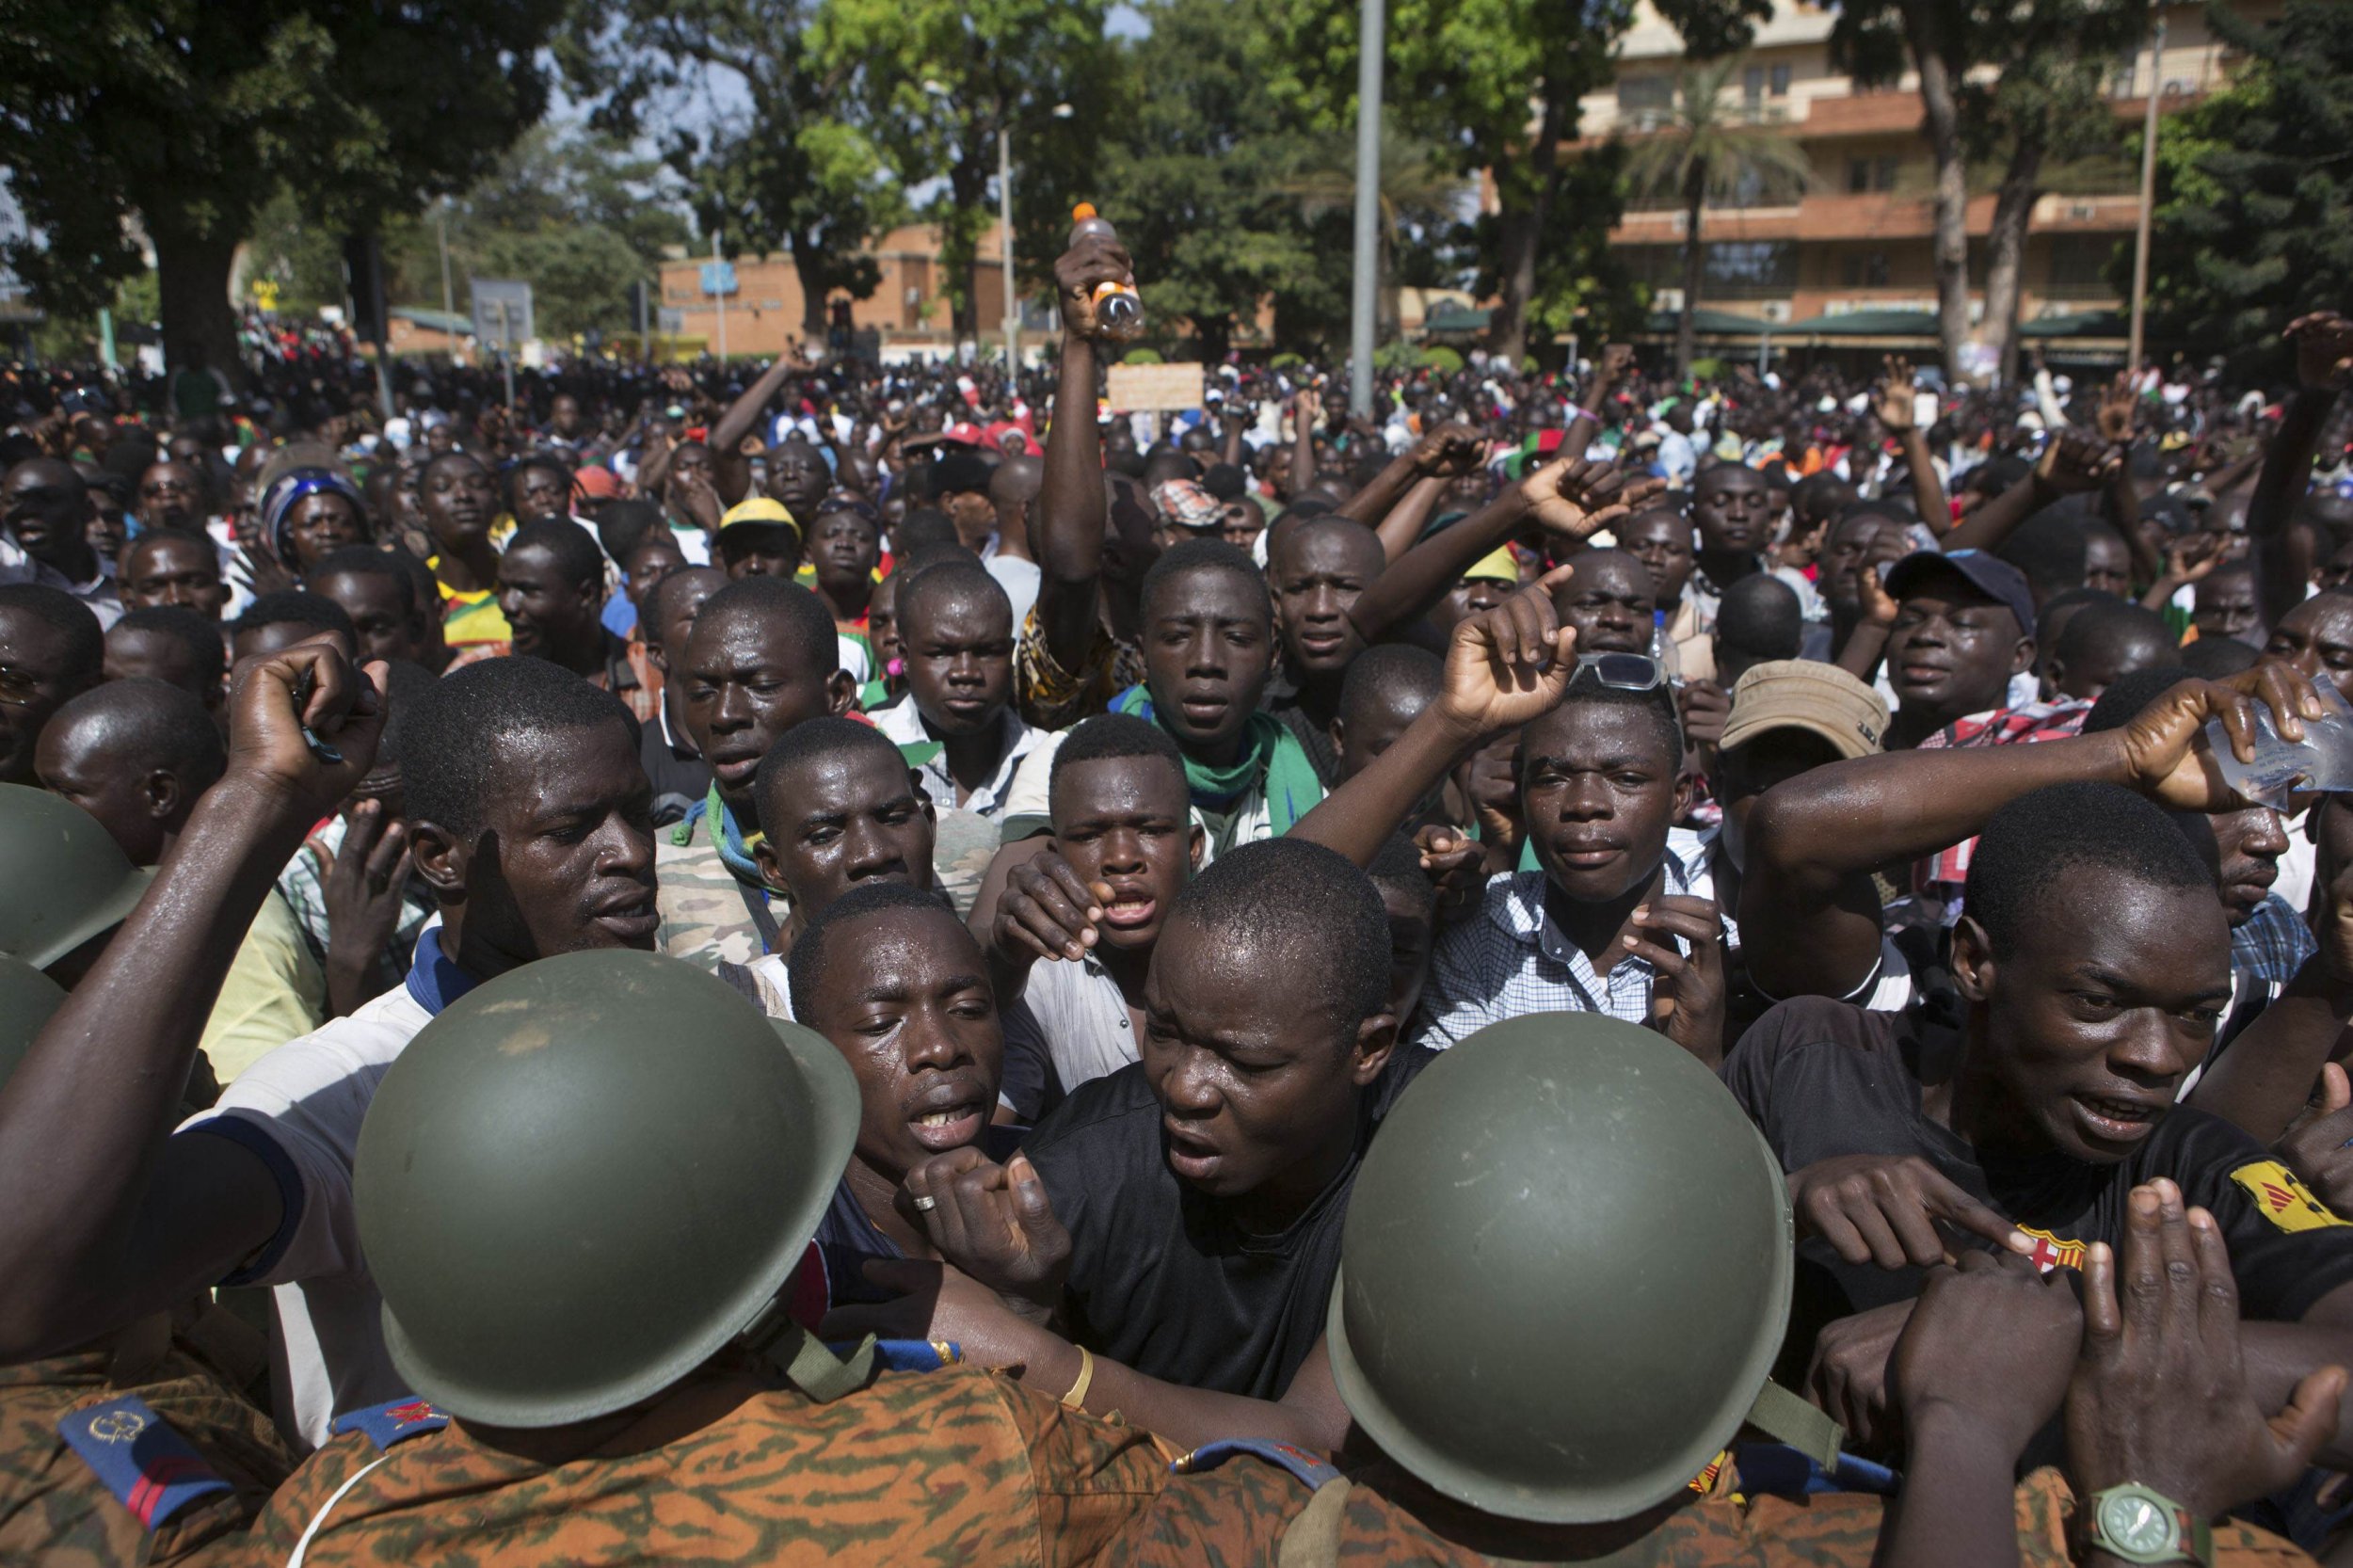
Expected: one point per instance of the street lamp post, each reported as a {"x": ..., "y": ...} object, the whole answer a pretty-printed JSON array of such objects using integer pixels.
[
  {"x": 2148, "y": 197},
  {"x": 1371, "y": 44}
]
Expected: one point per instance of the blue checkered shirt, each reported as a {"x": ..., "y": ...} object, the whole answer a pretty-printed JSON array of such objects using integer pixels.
[{"x": 1507, "y": 958}]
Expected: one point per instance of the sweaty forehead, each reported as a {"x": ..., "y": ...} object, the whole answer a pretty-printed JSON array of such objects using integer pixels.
[
  {"x": 836, "y": 782},
  {"x": 2324, "y": 618},
  {"x": 1610, "y": 571},
  {"x": 1119, "y": 784},
  {"x": 1321, "y": 545},
  {"x": 1588, "y": 732},
  {"x": 1218, "y": 592},
  {"x": 744, "y": 636}
]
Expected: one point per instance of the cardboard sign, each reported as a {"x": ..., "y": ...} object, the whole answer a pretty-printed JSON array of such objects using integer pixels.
[{"x": 1167, "y": 388}]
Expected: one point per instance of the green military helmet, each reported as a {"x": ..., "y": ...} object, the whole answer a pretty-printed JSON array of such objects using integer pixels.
[
  {"x": 66, "y": 879},
  {"x": 27, "y": 998},
  {"x": 586, "y": 1176},
  {"x": 1564, "y": 1274}
]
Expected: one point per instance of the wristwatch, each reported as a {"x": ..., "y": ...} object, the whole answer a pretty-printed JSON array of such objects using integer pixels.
[{"x": 2136, "y": 1524}]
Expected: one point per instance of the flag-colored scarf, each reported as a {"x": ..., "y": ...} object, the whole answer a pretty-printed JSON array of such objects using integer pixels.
[{"x": 1272, "y": 761}]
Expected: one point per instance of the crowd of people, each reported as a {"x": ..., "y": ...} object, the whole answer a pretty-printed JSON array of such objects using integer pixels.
[{"x": 885, "y": 964}]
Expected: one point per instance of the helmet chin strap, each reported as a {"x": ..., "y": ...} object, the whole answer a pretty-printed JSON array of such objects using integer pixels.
[
  {"x": 804, "y": 1359},
  {"x": 1783, "y": 1415}
]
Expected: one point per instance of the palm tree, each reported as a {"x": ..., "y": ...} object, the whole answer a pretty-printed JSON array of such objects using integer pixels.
[
  {"x": 1418, "y": 188},
  {"x": 1711, "y": 146}
]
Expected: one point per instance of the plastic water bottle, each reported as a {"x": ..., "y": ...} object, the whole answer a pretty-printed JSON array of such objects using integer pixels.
[
  {"x": 1117, "y": 307},
  {"x": 2322, "y": 760}
]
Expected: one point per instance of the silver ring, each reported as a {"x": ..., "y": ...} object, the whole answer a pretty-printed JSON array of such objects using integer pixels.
[{"x": 924, "y": 1206}]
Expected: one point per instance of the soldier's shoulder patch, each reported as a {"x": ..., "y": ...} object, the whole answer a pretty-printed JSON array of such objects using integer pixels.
[
  {"x": 1299, "y": 1462},
  {"x": 135, "y": 1453},
  {"x": 908, "y": 1355},
  {"x": 2286, "y": 1202},
  {"x": 393, "y": 1421}
]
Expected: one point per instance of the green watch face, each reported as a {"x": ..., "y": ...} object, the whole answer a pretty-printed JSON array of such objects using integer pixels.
[{"x": 2136, "y": 1524}]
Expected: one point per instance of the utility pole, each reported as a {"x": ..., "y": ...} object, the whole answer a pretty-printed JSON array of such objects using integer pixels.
[
  {"x": 2148, "y": 194},
  {"x": 1371, "y": 44},
  {"x": 1004, "y": 244},
  {"x": 449, "y": 300},
  {"x": 719, "y": 294}
]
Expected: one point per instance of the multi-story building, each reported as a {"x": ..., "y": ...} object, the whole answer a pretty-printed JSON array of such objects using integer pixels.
[
  {"x": 906, "y": 316},
  {"x": 1857, "y": 238}
]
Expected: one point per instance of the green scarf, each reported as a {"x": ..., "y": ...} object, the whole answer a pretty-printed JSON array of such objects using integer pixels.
[{"x": 1273, "y": 762}]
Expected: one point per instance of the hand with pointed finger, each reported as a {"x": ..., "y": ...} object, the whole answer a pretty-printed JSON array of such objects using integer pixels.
[
  {"x": 2159, "y": 1395},
  {"x": 1512, "y": 663},
  {"x": 1048, "y": 912},
  {"x": 1688, "y": 988},
  {"x": 994, "y": 1221},
  {"x": 1889, "y": 1209}
]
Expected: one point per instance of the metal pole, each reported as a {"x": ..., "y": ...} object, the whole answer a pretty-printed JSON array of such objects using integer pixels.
[
  {"x": 720, "y": 295},
  {"x": 449, "y": 300},
  {"x": 645, "y": 319},
  {"x": 2148, "y": 194},
  {"x": 1370, "y": 46},
  {"x": 1004, "y": 244},
  {"x": 107, "y": 337},
  {"x": 506, "y": 348}
]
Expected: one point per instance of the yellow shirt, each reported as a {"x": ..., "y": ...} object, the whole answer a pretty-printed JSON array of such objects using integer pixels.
[{"x": 275, "y": 992}]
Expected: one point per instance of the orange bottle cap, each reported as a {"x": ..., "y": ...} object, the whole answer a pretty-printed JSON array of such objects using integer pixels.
[{"x": 1083, "y": 211}]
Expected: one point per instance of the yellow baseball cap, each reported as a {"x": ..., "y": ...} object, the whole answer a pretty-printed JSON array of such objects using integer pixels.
[{"x": 758, "y": 509}]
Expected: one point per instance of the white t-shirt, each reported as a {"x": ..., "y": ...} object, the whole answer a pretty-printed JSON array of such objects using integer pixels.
[
  {"x": 1019, "y": 579},
  {"x": 308, "y": 1098}
]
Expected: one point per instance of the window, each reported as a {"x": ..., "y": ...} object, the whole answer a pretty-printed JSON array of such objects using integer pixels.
[
  {"x": 1865, "y": 269},
  {"x": 1645, "y": 93},
  {"x": 1753, "y": 84},
  {"x": 1780, "y": 81},
  {"x": 1870, "y": 174},
  {"x": 1766, "y": 265}
]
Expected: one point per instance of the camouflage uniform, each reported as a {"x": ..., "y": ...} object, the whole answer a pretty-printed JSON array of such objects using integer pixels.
[
  {"x": 958, "y": 1465},
  {"x": 1238, "y": 1508},
  {"x": 190, "y": 1462},
  {"x": 704, "y": 918}
]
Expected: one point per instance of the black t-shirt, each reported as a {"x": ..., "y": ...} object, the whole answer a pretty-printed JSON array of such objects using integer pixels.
[
  {"x": 1824, "y": 1079},
  {"x": 1161, "y": 1277}
]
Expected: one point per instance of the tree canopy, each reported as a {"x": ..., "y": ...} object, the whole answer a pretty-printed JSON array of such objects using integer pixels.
[
  {"x": 184, "y": 117},
  {"x": 2254, "y": 190}
]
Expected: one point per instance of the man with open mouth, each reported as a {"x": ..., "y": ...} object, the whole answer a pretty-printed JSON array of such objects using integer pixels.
[{"x": 2091, "y": 968}]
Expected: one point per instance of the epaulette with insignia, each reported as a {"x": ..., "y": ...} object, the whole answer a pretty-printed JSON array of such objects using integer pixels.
[
  {"x": 393, "y": 1421},
  {"x": 1299, "y": 1462},
  {"x": 907, "y": 1355},
  {"x": 1780, "y": 1470},
  {"x": 149, "y": 1467}
]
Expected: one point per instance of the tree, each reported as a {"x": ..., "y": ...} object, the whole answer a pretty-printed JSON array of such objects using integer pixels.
[
  {"x": 1496, "y": 80},
  {"x": 933, "y": 83},
  {"x": 2253, "y": 187},
  {"x": 1945, "y": 42},
  {"x": 2045, "y": 109},
  {"x": 1418, "y": 191},
  {"x": 1711, "y": 147},
  {"x": 1190, "y": 175},
  {"x": 186, "y": 116},
  {"x": 789, "y": 172}
]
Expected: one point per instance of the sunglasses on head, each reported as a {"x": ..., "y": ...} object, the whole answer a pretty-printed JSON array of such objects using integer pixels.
[{"x": 1624, "y": 672}]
